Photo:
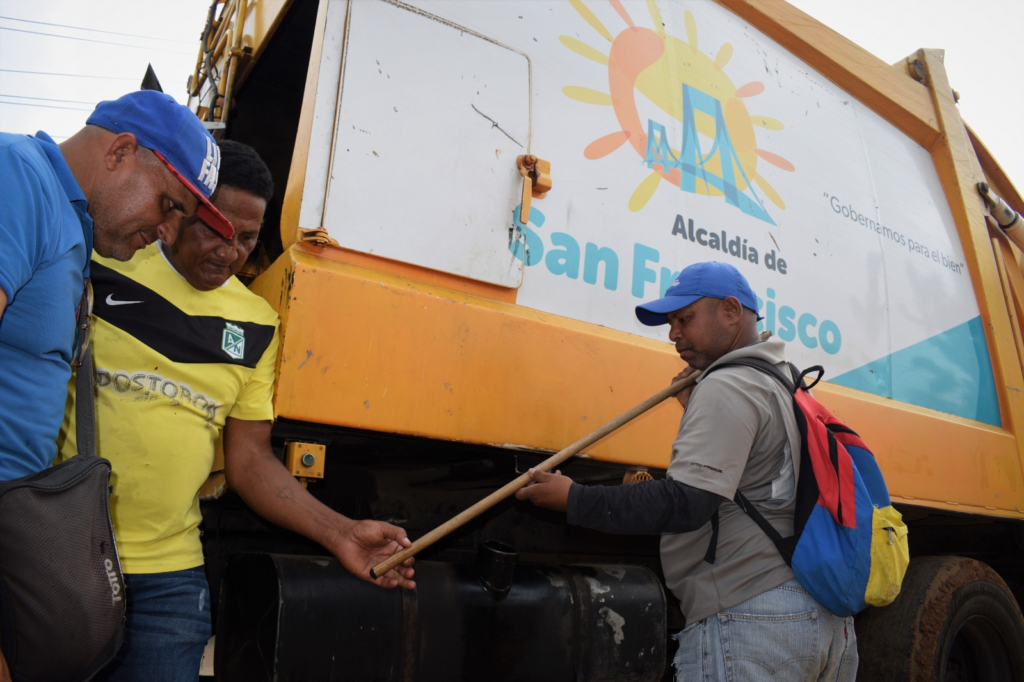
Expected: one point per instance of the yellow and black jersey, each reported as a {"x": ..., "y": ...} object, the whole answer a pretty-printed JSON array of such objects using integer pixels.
[{"x": 172, "y": 363}]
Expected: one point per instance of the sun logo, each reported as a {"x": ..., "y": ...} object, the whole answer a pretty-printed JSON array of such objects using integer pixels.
[{"x": 711, "y": 109}]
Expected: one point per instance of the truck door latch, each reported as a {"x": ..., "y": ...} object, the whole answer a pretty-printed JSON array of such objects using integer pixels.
[{"x": 536, "y": 181}]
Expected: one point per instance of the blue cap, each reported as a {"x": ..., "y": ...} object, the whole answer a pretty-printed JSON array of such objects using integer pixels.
[
  {"x": 177, "y": 137},
  {"x": 697, "y": 281}
]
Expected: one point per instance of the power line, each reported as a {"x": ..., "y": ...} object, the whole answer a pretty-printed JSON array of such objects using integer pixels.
[
  {"x": 73, "y": 75},
  {"x": 47, "y": 99},
  {"x": 42, "y": 106},
  {"x": 96, "y": 30},
  {"x": 90, "y": 40}
]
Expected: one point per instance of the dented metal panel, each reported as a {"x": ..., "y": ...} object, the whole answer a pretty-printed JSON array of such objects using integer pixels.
[{"x": 430, "y": 120}]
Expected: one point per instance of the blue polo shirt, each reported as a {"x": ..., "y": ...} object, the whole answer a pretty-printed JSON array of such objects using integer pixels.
[{"x": 44, "y": 250}]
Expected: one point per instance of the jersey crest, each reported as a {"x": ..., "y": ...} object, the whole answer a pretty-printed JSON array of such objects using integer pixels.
[{"x": 233, "y": 341}]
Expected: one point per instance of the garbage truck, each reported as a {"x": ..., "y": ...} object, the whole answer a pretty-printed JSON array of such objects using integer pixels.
[{"x": 472, "y": 199}]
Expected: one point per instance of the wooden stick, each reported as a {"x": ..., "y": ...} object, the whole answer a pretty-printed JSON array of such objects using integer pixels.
[{"x": 510, "y": 488}]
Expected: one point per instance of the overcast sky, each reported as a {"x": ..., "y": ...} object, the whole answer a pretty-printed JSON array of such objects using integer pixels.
[
  {"x": 165, "y": 34},
  {"x": 984, "y": 57}
]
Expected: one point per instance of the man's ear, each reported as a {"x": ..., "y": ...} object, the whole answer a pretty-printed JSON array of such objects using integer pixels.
[
  {"x": 732, "y": 308},
  {"x": 120, "y": 148}
]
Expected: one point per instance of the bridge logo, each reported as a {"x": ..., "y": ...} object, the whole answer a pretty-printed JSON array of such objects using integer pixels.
[{"x": 714, "y": 149}]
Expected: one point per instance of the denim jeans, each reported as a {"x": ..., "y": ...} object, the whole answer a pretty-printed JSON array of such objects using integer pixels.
[
  {"x": 167, "y": 627},
  {"x": 782, "y": 634}
]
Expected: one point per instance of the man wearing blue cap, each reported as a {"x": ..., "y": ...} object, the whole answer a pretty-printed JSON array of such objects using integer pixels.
[
  {"x": 141, "y": 164},
  {"x": 748, "y": 618}
]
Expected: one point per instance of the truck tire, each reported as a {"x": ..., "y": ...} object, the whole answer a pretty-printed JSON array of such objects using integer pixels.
[{"x": 955, "y": 620}]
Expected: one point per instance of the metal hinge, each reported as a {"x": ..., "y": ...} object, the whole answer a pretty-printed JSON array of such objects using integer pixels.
[{"x": 317, "y": 236}]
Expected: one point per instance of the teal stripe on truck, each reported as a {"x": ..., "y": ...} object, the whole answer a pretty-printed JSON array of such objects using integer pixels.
[{"x": 950, "y": 372}]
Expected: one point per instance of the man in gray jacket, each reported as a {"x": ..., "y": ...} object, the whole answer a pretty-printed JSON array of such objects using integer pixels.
[{"x": 748, "y": 618}]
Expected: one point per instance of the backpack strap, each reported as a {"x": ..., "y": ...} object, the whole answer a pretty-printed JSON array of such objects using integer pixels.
[
  {"x": 785, "y": 548},
  {"x": 709, "y": 556},
  {"x": 792, "y": 383},
  {"x": 784, "y": 545}
]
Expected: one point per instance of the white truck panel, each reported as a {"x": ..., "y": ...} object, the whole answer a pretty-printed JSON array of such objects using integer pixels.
[
  {"x": 676, "y": 135},
  {"x": 430, "y": 123}
]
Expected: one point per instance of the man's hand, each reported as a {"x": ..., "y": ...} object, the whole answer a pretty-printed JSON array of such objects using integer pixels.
[
  {"x": 684, "y": 395},
  {"x": 364, "y": 544},
  {"x": 550, "y": 491},
  {"x": 261, "y": 480}
]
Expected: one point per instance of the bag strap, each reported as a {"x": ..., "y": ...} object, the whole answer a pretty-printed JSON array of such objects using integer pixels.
[
  {"x": 85, "y": 410},
  {"x": 785, "y": 547},
  {"x": 774, "y": 535},
  {"x": 791, "y": 384},
  {"x": 709, "y": 556}
]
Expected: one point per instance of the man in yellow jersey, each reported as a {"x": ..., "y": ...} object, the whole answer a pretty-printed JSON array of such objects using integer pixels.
[{"x": 183, "y": 351}]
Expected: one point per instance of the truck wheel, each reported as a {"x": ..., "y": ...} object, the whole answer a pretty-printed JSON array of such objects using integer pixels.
[{"x": 955, "y": 620}]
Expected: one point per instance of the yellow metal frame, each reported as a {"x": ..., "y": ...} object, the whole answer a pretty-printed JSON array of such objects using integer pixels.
[
  {"x": 889, "y": 92},
  {"x": 297, "y": 173},
  {"x": 373, "y": 350},
  {"x": 375, "y": 344},
  {"x": 229, "y": 37}
]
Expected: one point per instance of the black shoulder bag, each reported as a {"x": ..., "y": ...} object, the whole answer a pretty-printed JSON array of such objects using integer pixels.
[{"x": 61, "y": 588}]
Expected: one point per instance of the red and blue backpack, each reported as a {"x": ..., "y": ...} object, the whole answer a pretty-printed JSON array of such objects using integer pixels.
[{"x": 849, "y": 545}]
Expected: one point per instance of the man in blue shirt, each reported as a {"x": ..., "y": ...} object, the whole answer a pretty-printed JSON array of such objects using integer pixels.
[{"x": 141, "y": 164}]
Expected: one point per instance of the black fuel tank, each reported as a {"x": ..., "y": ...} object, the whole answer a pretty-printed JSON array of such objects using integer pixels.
[{"x": 300, "y": 618}]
